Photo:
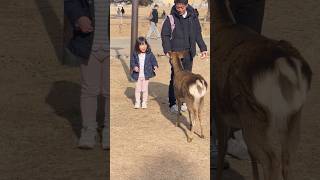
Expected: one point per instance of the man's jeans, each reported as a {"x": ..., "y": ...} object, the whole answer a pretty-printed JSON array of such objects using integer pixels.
[
  {"x": 187, "y": 65},
  {"x": 153, "y": 29}
]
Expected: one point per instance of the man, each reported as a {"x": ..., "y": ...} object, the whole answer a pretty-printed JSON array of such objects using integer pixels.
[
  {"x": 153, "y": 22},
  {"x": 185, "y": 36},
  {"x": 249, "y": 13},
  {"x": 90, "y": 21}
]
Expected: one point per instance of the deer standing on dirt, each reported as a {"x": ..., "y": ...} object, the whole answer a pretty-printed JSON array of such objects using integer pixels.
[
  {"x": 189, "y": 88},
  {"x": 262, "y": 86}
]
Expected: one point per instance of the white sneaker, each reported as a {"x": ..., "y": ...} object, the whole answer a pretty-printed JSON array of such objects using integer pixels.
[
  {"x": 174, "y": 109},
  {"x": 184, "y": 107},
  {"x": 144, "y": 105},
  {"x": 88, "y": 138},
  {"x": 237, "y": 147},
  {"x": 137, "y": 105}
]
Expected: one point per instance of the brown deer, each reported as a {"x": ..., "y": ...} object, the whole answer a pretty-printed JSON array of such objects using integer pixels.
[
  {"x": 261, "y": 87},
  {"x": 189, "y": 88}
]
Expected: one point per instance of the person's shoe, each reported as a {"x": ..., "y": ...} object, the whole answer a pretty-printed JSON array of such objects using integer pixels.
[
  {"x": 144, "y": 105},
  {"x": 174, "y": 109},
  {"x": 184, "y": 107},
  {"x": 137, "y": 105},
  {"x": 88, "y": 138},
  {"x": 105, "y": 139},
  {"x": 237, "y": 147}
]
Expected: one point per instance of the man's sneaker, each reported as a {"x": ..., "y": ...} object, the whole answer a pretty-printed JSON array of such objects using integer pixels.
[
  {"x": 237, "y": 147},
  {"x": 137, "y": 105},
  {"x": 144, "y": 105},
  {"x": 174, "y": 109},
  {"x": 88, "y": 138},
  {"x": 184, "y": 107},
  {"x": 105, "y": 139}
]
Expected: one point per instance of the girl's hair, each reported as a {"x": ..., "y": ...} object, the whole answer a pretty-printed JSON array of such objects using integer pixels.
[{"x": 141, "y": 40}]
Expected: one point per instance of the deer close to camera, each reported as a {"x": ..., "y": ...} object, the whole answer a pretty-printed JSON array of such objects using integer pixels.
[
  {"x": 189, "y": 88},
  {"x": 261, "y": 87}
]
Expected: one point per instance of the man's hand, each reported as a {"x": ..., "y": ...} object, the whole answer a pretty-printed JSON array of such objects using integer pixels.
[
  {"x": 85, "y": 24},
  {"x": 136, "y": 69},
  {"x": 204, "y": 54}
]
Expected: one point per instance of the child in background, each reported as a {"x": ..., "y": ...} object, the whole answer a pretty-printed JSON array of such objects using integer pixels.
[{"x": 143, "y": 65}]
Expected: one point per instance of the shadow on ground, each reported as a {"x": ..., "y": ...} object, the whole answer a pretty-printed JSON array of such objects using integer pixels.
[
  {"x": 158, "y": 92},
  {"x": 123, "y": 60},
  {"x": 53, "y": 25},
  {"x": 166, "y": 166},
  {"x": 173, "y": 166},
  {"x": 64, "y": 98}
]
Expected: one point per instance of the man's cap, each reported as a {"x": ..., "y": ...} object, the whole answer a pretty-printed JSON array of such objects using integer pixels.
[{"x": 181, "y": 1}]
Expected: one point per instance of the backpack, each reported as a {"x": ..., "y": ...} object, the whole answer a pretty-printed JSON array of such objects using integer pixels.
[{"x": 171, "y": 19}]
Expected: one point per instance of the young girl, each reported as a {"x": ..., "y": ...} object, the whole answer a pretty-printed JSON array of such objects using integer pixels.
[{"x": 143, "y": 65}]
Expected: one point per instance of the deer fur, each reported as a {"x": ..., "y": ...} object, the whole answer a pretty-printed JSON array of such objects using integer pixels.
[
  {"x": 261, "y": 87},
  {"x": 189, "y": 88}
]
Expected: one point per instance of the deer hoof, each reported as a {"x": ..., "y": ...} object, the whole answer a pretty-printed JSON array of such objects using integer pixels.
[{"x": 189, "y": 140}]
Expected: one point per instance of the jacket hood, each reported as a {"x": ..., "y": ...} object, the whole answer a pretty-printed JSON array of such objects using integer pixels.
[{"x": 190, "y": 11}]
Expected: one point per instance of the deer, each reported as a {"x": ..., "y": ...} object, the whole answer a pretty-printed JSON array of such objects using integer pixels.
[
  {"x": 261, "y": 86},
  {"x": 189, "y": 88}
]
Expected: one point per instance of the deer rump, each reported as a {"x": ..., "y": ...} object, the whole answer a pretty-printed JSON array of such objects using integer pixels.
[
  {"x": 266, "y": 74},
  {"x": 192, "y": 85},
  {"x": 261, "y": 87}
]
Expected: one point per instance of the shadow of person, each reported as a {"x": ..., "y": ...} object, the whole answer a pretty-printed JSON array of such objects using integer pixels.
[
  {"x": 166, "y": 166},
  {"x": 123, "y": 61},
  {"x": 52, "y": 21},
  {"x": 159, "y": 93},
  {"x": 64, "y": 98},
  {"x": 172, "y": 166}
]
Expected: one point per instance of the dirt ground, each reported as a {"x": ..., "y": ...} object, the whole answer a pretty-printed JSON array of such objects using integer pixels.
[
  {"x": 40, "y": 117},
  {"x": 145, "y": 143},
  {"x": 39, "y": 102}
]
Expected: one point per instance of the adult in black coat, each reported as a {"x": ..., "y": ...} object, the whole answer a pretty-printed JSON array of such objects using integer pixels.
[{"x": 185, "y": 35}]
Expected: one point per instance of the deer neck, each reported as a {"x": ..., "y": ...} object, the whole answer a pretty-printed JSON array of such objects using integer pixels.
[{"x": 177, "y": 66}]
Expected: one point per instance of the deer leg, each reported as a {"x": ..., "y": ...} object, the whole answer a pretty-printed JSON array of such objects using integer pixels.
[
  {"x": 255, "y": 170},
  {"x": 258, "y": 146},
  {"x": 190, "y": 127},
  {"x": 199, "y": 117},
  {"x": 266, "y": 154},
  {"x": 222, "y": 137},
  {"x": 290, "y": 143},
  {"x": 275, "y": 169},
  {"x": 179, "y": 113},
  {"x": 193, "y": 122}
]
